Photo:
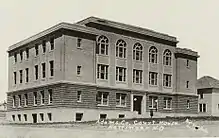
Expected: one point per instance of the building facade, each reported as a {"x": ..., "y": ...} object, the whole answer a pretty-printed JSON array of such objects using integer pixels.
[
  {"x": 96, "y": 69},
  {"x": 208, "y": 91}
]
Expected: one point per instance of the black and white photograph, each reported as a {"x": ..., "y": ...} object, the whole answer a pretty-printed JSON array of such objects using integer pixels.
[{"x": 109, "y": 69}]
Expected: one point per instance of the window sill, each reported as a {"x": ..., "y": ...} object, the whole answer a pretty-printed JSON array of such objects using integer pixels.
[
  {"x": 151, "y": 63},
  {"x": 153, "y": 85},
  {"x": 167, "y": 108},
  {"x": 79, "y": 101},
  {"x": 42, "y": 104},
  {"x": 121, "y": 106},
  {"x": 167, "y": 66},
  {"x": 43, "y": 79},
  {"x": 120, "y": 58},
  {"x": 138, "y": 61},
  {"x": 49, "y": 104},
  {"x": 35, "y": 105},
  {"x": 101, "y": 105},
  {"x": 121, "y": 82},
  {"x": 165, "y": 87},
  {"x": 102, "y": 55},
  {"x": 36, "y": 56},
  {"x": 79, "y": 48},
  {"x": 152, "y": 108},
  {"x": 51, "y": 77},
  {"x": 79, "y": 75},
  {"x": 51, "y": 51},
  {"x": 140, "y": 84}
]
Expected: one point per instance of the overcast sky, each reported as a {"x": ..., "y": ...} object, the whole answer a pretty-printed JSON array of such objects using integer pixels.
[{"x": 194, "y": 23}]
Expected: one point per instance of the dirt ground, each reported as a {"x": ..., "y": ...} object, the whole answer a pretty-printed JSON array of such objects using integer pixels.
[{"x": 86, "y": 131}]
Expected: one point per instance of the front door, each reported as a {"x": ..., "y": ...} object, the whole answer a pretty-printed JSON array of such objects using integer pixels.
[{"x": 137, "y": 102}]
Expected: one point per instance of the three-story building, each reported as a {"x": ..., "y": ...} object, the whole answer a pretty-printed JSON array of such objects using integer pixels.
[{"x": 96, "y": 69}]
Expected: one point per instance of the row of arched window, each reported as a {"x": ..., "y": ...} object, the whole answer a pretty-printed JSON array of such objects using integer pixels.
[{"x": 103, "y": 43}]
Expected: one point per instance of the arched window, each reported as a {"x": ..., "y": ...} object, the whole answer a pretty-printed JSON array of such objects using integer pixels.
[
  {"x": 102, "y": 45},
  {"x": 121, "y": 48},
  {"x": 167, "y": 57},
  {"x": 137, "y": 52},
  {"x": 153, "y": 54}
]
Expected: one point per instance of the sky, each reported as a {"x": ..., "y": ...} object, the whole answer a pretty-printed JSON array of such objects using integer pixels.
[{"x": 194, "y": 23}]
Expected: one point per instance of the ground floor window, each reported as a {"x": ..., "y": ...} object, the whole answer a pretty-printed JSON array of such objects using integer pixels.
[
  {"x": 167, "y": 103},
  {"x": 202, "y": 107},
  {"x": 102, "y": 98},
  {"x": 120, "y": 99},
  {"x": 153, "y": 102},
  {"x": 19, "y": 117},
  {"x": 25, "y": 117},
  {"x": 42, "y": 116},
  {"x": 13, "y": 117}
]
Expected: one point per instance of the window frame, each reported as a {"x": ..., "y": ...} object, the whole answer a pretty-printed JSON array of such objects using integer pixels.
[
  {"x": 137, "y": 76},
  {"x": 120, "y": 73},
  {"x": 119, "y": 102},
  {"x": 167, "y": 57},
  {"x": 102, "y": 45},
  {"x": 152, "y": 101},
  {"x": 153, "y": 55},
  {"x": 102, "y": 70},
  {"x": 137, "y": 52},
  {"x": 167, "y": 105},
  {"x": 101, "y": 102},
  {"x": 167, "y": 80},
  {"x": 121, "y": 45},
  {"x": 153, "y": 78}
]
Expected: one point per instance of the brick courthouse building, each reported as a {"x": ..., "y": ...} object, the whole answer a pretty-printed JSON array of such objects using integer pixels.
[{"x": 98, "y": 68}]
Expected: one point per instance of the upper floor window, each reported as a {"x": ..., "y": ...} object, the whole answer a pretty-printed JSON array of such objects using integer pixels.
[
  {"x": 78, "y": 70},
  {"x": 21, "y": 55},
  {"x": 102, "y": 45},
  {"x": 187, "y": 63},
  {"x": 36, "y": 49},
  {"x": 42, "y": 97},
  {"x": 167, "y": 57},
  {"x": 21, "y": 76},
  {"x": 201, "y": 95},
  {"x": 14, "y": 101},
  {"x": 137, "y": 76},
  {"x": 120, "y": 74},
  {"x": 51, "y": 43},
  {"x": 187, "y": 84},
  {"x": 137, "y": 52},
  {"x": 79, "y": 42},
  {"x": 34, "y": 98},
  {"x": 51, "y": 67},
  {"x": 19, "y": 100},
  {"x": 25, "y": 99},
  {"x": 44, "y": 46},
  {"x": 188, "y": 104},
  {"x": 121, "y": 48},
  {"x": 36, "y": 72},
  {"x": 15, "y": 57},
  {"x": 153, "y": 78},
  {"x": 15, "y": 77},
  {"x": 102, "y": 71},
  {"x": 167, "y": 80},
  {"x": 27, "y": 74},
  {"x": 43, "y": 70},
  {"x": 27, "y": 53},
  {"x": 153, "y": 54}
]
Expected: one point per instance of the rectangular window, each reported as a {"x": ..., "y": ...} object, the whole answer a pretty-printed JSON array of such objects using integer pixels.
[
  {"x": 21, "y": 55},
  {"x": 44, "y": 46},
  {"x": 27, "y": 74},
  {"x": 19, "y": 100},
  {"x": 79, "y": 116},
  {"x": 50, "y": 96},
  {"x": 188, "y": 104},
  {"x": 35, "y": 98},
  {"x": 79, "y": 42},
  {"x": 153, "y": 102},
  {"x": 52, "y": 43},
  {"x": 27, "y": 53},
  {"x": 21, "y": 76},
  {"x": 14, "y": 101},
  {"x": 102, "y": 71},
  {"x": 137, "y": 76},
  {"x": 120, "y": 74},
  {"x": 25, "y": 117},
  {"x": 51, "y": 64},
  {"x": 120, "y": 99},
  {"x": 102, "y": 98},
  {"x": 202, "y": 107},
  {"x": 36, "y": 72},
  {"x": 153, "y": 78},
  {"x": 79, "y": 96},
  {"x": 121, "y": 116},
  {"x": 187, "y": 63},
  {"x": 49, "y": 116},
  {"x": 19, "y": 117},
  {"x": 43, "y": 70},
  {"x": 25, "y": 100},
  {"x": 167, "y": 80},
  {"x": 167, "y": 103},
  {"x": 42, "y": 97},
  {"x": 103, "y": 116},
  {"x": 201, "y": 95},
  {"x": 78, "y": 70},
  {"x": 15, "y": 77},
  {"x": 13, "y": 117},
  {"x": 15, "y": 57},
  {"x": 42, "y": 116},
  {"x": 36, "y": 49},
  {"x": 187, "y": 84}
]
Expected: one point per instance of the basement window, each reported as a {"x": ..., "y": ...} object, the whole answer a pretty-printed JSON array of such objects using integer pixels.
[
  {"x": 79, "y": 116},
  {"x": 103, "y": 116}
]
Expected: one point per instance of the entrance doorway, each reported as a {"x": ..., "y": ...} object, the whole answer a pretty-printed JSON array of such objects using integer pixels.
[
  {"x": 34, "y": 118},
  {"x": 137, "y": 102}
]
